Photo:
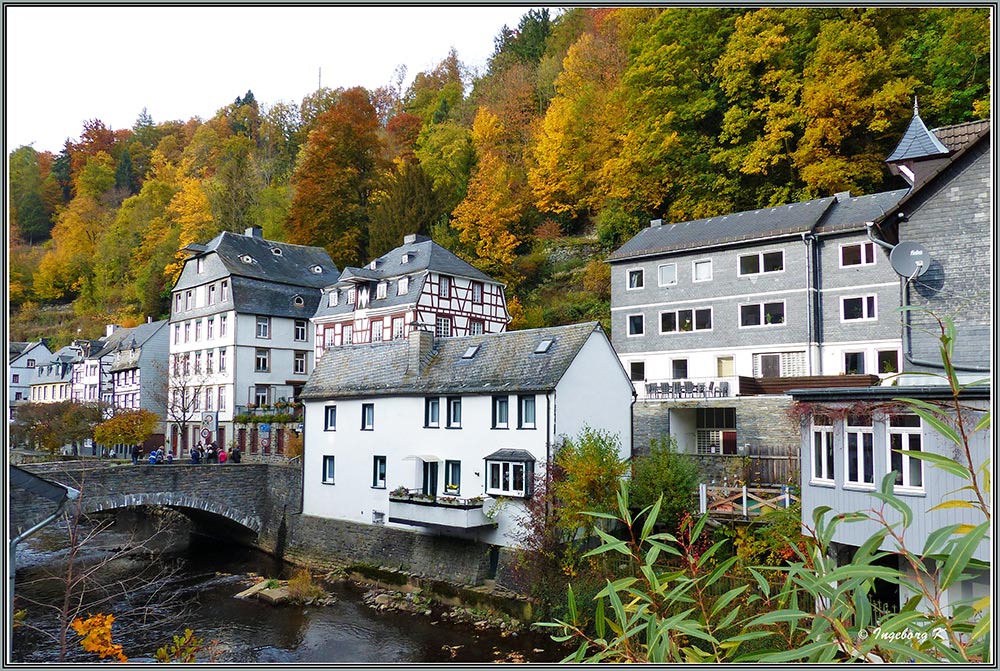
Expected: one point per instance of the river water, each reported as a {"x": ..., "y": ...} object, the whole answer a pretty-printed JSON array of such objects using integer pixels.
[{"x": 190, "y": 582}]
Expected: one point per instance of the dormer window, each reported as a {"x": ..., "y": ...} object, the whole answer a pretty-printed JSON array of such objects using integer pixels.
[
  {"x": 405, "y": 258},
  {"x": 316, "y": 270},
  {"x": 201, "y": 264},
  {"x": 298, "y": 301},
  {"x": 334, "y": 298},
  {"x": 403, "y": 286},
  {"x": 373, "y": 265},
  {"x": 276, "y": 251},
  {"x": 246, "y": 258},
  {"x": 380, "y": 290},
  {"x": 351, "y": 295}
]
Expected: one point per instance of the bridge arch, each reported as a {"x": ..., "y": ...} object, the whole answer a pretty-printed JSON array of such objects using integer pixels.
[{"x": 96, "y": 504}]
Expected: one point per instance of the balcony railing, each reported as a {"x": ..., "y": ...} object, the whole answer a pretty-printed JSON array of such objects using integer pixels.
[
  {"x": 743, "y": 501},
  {"x": 688, "y": 388},
  {"x": 426, "y": 510}
]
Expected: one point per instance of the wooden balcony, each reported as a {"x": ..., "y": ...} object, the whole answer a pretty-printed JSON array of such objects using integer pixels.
[
  {"x": 445, "y": 512},
  {"x": 742, "y": 501}
]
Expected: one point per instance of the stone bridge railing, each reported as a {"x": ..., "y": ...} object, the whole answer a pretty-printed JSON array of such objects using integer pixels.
[{"x": 257, "y": 497}]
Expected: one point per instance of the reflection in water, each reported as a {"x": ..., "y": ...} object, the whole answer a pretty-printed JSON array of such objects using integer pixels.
[{"x": 199, "y": 595}]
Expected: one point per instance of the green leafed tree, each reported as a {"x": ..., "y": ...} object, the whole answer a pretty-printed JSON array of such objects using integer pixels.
[{"x": 406, "y": 203}]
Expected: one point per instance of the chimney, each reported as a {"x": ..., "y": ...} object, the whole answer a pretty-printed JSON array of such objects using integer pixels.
[
  {"x": 254, "y": 232},
  {"x": 654, "y": 223},
  {"x": 409, "y": 239},
  {"x": 109, "y": 329},
  {"x": 843, "y": 196},
  {"x": 149, "y": 320},
  {"x": 421, "y": 344}
]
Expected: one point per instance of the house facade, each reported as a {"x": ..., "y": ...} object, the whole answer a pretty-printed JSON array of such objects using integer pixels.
[
  {"x": 138, "y": 375},
  {"x": 714, "y": 319},
  {"x": 447, "y": 435},
  {"x": 23, "y": 359},
  {"x": 419, "y": 284},
  {"x": 852, "y": 438},
  {"x": 53, "y": 379},
  {"x": 240, "y": 332}
]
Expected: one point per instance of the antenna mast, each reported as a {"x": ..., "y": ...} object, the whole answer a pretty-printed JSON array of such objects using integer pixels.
[{"x": 319, "y": 84}]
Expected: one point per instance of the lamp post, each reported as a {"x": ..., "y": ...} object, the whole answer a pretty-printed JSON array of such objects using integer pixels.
[{"x": 56, "y": 492}]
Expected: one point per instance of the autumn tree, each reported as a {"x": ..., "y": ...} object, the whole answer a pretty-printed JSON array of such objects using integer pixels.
[
  {"x": 29, "y": 211},
  {"x": 52, "y": 426},
  {"x": 131, "y": 427},
  {"x": 337, "y": 172},
  {"x": 590, "y": 471}
]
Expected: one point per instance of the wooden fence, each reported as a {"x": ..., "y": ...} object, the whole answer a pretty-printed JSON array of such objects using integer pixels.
[{"x": 743, "y": 501}]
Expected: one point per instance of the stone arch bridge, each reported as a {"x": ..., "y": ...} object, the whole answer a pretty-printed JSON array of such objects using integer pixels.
[{"x": 249, "y": 500}]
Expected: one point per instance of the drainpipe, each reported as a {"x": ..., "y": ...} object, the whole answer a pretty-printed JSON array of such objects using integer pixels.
[
  {"x": 809, "y": 240},
  {"x": 904, "y": 335}
]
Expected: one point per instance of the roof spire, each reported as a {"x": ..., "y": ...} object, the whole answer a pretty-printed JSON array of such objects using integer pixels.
[{"x": 916, "y": 107}]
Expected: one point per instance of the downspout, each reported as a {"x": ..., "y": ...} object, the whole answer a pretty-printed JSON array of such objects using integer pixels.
[
  {"x": 904, "y": 335},
  {"x": 812, "y": 342}
]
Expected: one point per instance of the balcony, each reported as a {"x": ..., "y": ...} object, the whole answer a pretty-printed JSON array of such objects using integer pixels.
[
  {"x": 445, "y": 512},
  {"x": 688, "y": 388}
]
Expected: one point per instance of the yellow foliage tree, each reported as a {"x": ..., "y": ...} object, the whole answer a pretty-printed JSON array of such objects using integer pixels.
[{"x": 95, "y": 631}]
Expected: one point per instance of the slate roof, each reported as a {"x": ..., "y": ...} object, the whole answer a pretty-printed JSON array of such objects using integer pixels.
[
  {"x": 292, "y": 265},
  {"x": 851, "y": 213},
  {"x": 505, "y": 362},
  {"x": 16, "y": 349},
  {"x": 917, "y": 142},
  {"x": 960, "y": 136},
  {"x": 252, "y": 296}
]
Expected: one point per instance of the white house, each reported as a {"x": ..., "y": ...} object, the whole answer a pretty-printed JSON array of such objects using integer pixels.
[
  {"x": 138, "y": 373},
  {"x": 418, "y": 283},
  {"x": 430, "y": 433},
  {"x": 53, "y": 379},
  {"x": 23, "y": 359},
  {"x": 239, "y": 330}
]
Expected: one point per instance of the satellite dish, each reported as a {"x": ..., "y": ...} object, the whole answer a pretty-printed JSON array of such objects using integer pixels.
[{"x": 909, "y": 259}]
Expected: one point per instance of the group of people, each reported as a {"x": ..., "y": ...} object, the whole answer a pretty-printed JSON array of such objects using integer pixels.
[
  {"x": 209, "y": 454},
  {"x": 213, "y": 454}
]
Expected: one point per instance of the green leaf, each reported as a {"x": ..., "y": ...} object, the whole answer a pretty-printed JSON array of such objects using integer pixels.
[
  {"x": 571, "y": 604},
  {"x": 803, "y": 652},
  {"x": 937, "y": 538},
  {"x": 984, "y": 422},
  {"x": 726, "y": 598},
  {"x": 762, "y": 582},
  {"x": 961, "y": 553},
  {"x": 783, "y": 615},
  {"x": 982, "y": 627},
  {"x": 654, "y": 512},
  {"x": 599, "y": 618},
  {"x": 955, "y": 503},
  {"x": 942, "y": 462}
]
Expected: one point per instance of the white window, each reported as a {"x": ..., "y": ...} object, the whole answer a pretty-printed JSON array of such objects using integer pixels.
[
  {"x": 210, "y": 361},
  {"x": 857, "y": 254},
  {"x": 444, "y": 287},
  {"x": 328, "y": 469},
  {"x": 222, "y": 359},
  {"x": 209, "y": 397},
  {"x": 761, "y": 262},
  {"x": 636, "y": 279},
  {"x": 477, "y": 292},
  {"x": 262, "y": 361},
  {"x": 636, "y": 325},
  {"x": 211, "y": 294},
  {"x": 887, "y": 360},
  {"x": 701, "y": 271},
  {"x": 860, "y": 452},
  {"x": 301, "y": 329},
  {"x": 526, "y": 412},
  {"x": 405, "y": 258},
  {"x": 506, "y": 478},
  {"x": 187, "y": 331},
  {"x": 454, "y": 413},
  {"x": 905, "y": 438},
  {"x": 177, "y": 334},
  {"x": 822, "y": 453},
  {"x": 380, "y": 290},
  {"x": 197, "y": 363},
  {"x": 222, "y": 398},
  {"x": 762, "y": 314},
  {"x": 452, "y": 477},
  {"x": 347, "y": 333},
  {"x": 334, "y": 298},
  {"x": 197, "y": 331},
  {"x": 201, "y": 264},
  {"x": 432, "y": 408},
  {"x": 858, "y": 308},
  {"x": 682, "y": 321},
  {"x": 223, "y": 322},
  {"x": 854, "y": 363},
  {"x": 31, "y": 363},
  {"x": 210, "y": 328},
  {"x": 397, "y": 328},
  {"x": 402, "y": 286},
  {"x": 442, "y": 327},
  {"x": 224, "y": 291},
  {"x": 666, "y": 274},
  {"x": 500, "y": 412},
  {"x": 378, "y": 472},
  {"x": 351, "y": 296},
  {"x": 377, "y": 331},
  {"x": 177, "y": 302},
  {"x": 300, "y": 363},
  {"x": 331, "y": 418},
  {"x": 263, "y": 327},
  {"x": 475, "y": 327},
  {"x": 187, "y": 300},
  {"x": 367, "y": 416}
]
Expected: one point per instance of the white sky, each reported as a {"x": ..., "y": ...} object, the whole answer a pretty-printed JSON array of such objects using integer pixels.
[{"x": 65, "y": 65}]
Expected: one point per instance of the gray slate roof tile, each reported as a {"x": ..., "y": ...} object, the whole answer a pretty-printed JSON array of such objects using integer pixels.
[
  {"x": 504, "y": 363},
  {"x": 917, "y": 142}
]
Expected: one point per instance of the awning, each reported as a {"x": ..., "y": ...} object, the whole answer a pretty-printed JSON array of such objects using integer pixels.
[
  {"x": 510, "y": 454},
  {"x": 422, "y": 457}
]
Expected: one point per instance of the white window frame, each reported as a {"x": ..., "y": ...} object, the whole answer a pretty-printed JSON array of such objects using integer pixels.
[
  {"x": 367, "y": 416},
  {"x": 330, "y": 418},
  {"x": 432, "y": 412},
  {"x": 444, "y": 286},
  {"x": 211, "y": 294},
  {"x": 510, "y": 468},
  {"x": 262, "y": 354},
  {"x": 333, "y": 298},
  {"x": 694, "y": 320},
  {"x": 477, "y": 292},
  {"x": 878, "y": 356},
  {"x": 763, "y": 315},
  {"x": 864, "y": 361},
  {"x": 476, "y": 327},
  {"x": 223, "y": 325},
  {"x": 760, "y": 263},
  {"x": 377, "y": 328},
  {"x": 498, "y": 403},
  {"x": 628, "y": 325},
  {"x": 452, "y": 477},
  {"x": 866, "y": 254},
  {"x": 659, "y": 275},
  {"x": 524, "y": 402},
  {"x": 859, "y": 439},
  {"x": 301, "y": 326},
  {"x": 380, "y": 290},
  {"x": 300, "y": 362},
  {"x": 402, "y": 286},
  {"x": 907, "y": 435},
  {"x": 398, "y": 327},
  {"x": 224, "y": 291},
  {"x": 379, "y": 471},
  {"x": 454, "y": 405},
  {"x": 442, "y": 327},
  {"x": 263, "y": 328},
  {"x": 869, "y": 308},
  {"x": 347, "y": 334},
  {"x": 694, "y": 270},
  {"x": 329, "y": 469},
  {"x": 222, "y": 359},
  {"x": 639, "y": 273},
  {"x": 821, "y": 436}
]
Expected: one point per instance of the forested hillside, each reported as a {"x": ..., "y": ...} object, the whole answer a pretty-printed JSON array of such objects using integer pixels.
[{"x": 585, "y": 124}]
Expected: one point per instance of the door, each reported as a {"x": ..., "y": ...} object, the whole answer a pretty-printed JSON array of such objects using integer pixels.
[{"x": 430, "y": 477}]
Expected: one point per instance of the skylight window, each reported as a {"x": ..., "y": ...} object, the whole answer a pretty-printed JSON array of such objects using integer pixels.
[
  {"x": 316, "y": 269},
  {"x": 471, "y": 351},
  {"x": 543, "y": 346},
  {"x": 246, "y": 258},
  {"x": 276, "y": 251}
]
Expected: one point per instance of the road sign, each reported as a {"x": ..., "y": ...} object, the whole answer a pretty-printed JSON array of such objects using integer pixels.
[
  {"x": 208, "y": 420},
  {"x": 205, "y": 433},
  {"x": 265, "y": 428},
  {"x": 264, "y": 442}
]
